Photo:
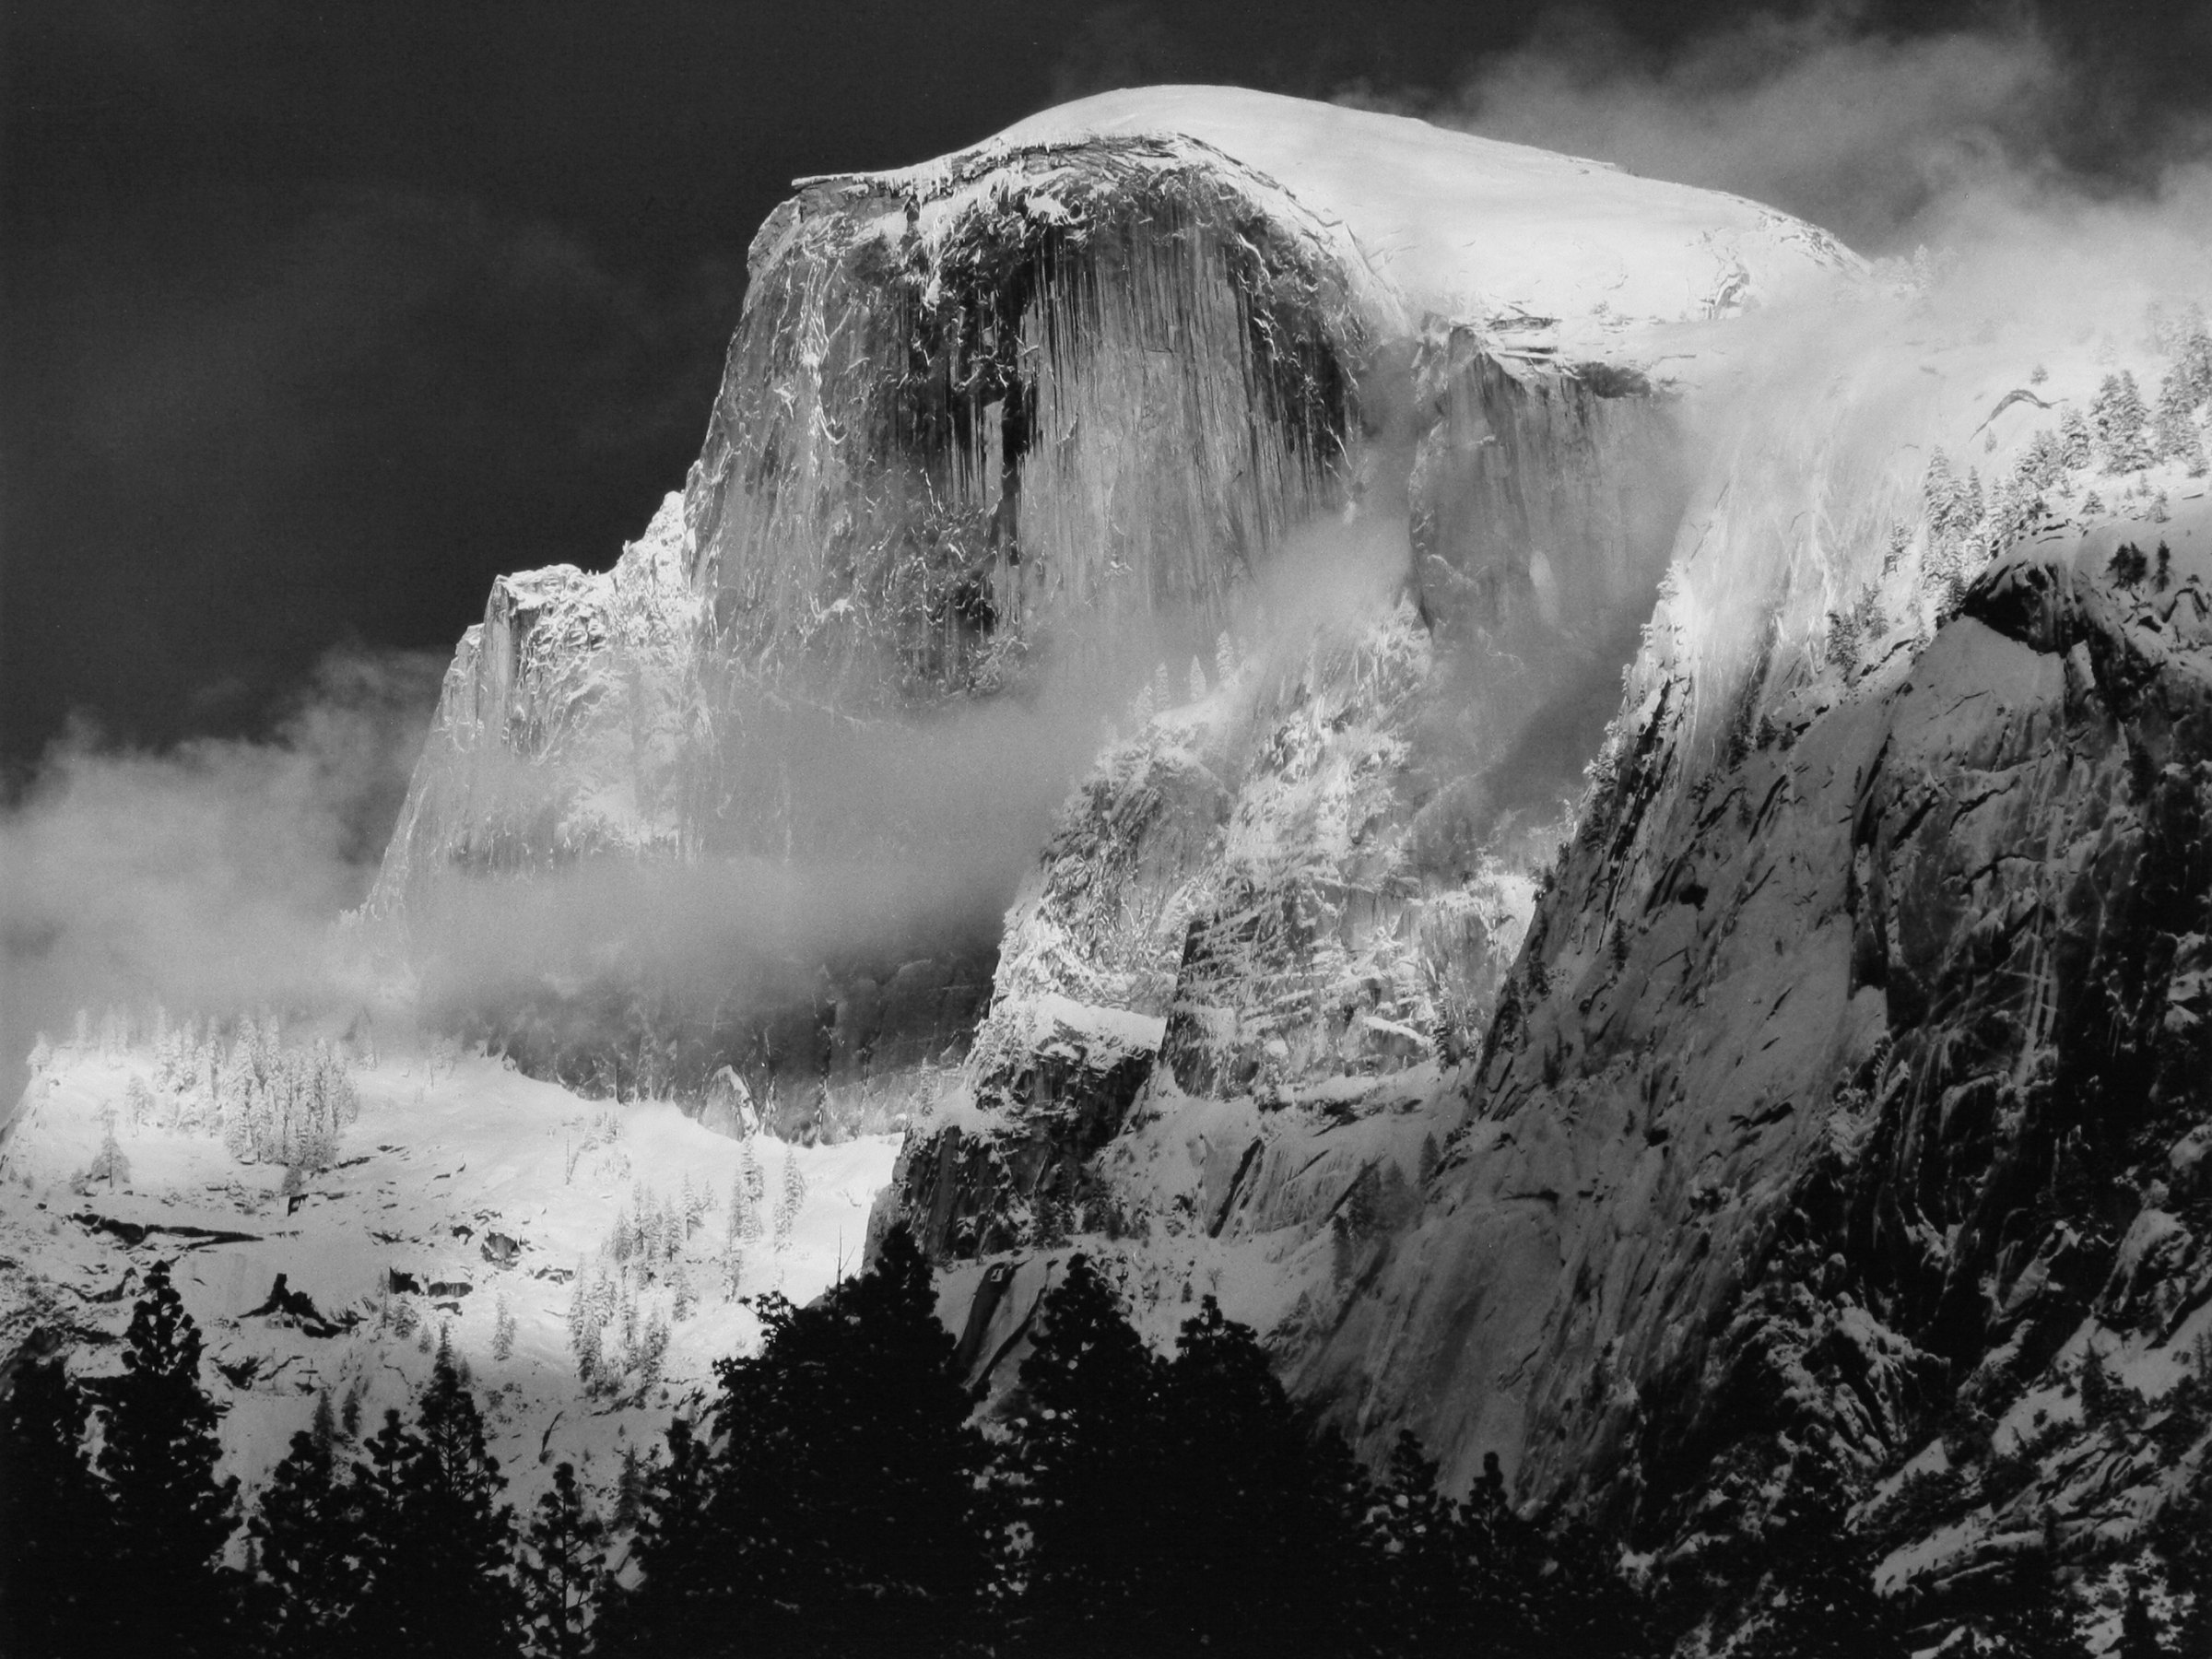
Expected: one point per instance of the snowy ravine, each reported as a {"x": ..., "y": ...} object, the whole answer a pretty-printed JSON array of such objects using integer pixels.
[{"x": 1634, "y": 893}]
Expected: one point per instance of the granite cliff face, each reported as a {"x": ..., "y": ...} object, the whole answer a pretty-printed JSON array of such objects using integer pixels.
[
  {"x": 1628, "y": 911},
  {"x": 1850, "y": 1098},
  {"x": 1033, "y": 426}
]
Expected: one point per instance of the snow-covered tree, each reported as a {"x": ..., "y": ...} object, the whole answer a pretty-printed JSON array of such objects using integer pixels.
[
  {"x": 1951, "y": 512},
  {"x": 2175, "y": 436},
  {"x": 2078, "y": 443},
  {"x": 649, "y": 1352},
  {"x": 792, "y": 1195},
  {"x": 746, "y": 1191},
  {"x": 562, "y": 1569},
  {"x": 2044, "y": 461},
  {"x": 586, "y": 1321},
  {"x": 2193, "y": 357},
  {"x": 682, "y": 1297},
  {"x": 1225, "y": 658},
  {"x": 2121, "y": 424}
]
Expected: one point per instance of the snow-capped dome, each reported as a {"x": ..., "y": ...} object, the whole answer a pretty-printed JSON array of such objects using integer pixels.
[{"x": 1474, "y": 229}]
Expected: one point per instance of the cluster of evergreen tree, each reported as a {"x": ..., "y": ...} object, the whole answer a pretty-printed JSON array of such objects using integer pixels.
[
  {"x": 271, "y": 1103},
  {"x": 647, "y": 1250},
  {"x": 845, "y": 1503},
  {"x": 117, "y": 1553},
  {"x": 405, "y": 1551},
  {"x": 842, "y": 1501}
]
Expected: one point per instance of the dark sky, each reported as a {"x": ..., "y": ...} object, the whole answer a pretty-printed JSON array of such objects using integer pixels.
[{"x": 315, "y": 318}]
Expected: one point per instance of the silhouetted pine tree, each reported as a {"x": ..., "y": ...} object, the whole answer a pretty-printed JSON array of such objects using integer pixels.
[
  {"x": 57, "y": 1591},
  {"x": 306, "y": 1547},
  {"x": 2024, "y": 1612},
  {"x": 1267, "y": 1517},
  {"x": 439, "y": 1543},
  {"x": 562, "y": 1569},
  {"x": 630, "y": 1489},
  {"x": 171, "y": 1516},
  {"x": 1815, "y": 1597},
  {"x": 1087, "y": 1444},
  {"x": 1432, "y": 1589},
  {"x": 847, "y": 1517},
  {"x": 1584, "y": 1607},
  {"x": 673, "y": 1608},
  {"x": 1507, "y": 1560},
  {"x": 2185, "y": 1538},
  {"x": 2138, "y": 1631}
]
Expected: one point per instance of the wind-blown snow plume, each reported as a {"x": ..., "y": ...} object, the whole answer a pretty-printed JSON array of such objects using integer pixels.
[
  {"x": 1859, "y": 131},
  {"x": 1862, "y": 462}
]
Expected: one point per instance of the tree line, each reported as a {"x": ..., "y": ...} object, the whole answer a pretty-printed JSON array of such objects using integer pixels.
[{"x": 840, "y": 1498}]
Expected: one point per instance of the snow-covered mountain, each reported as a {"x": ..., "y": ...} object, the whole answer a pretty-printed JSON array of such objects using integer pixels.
[
  {"x": 1629, "y": 883},
  {"x": 1113, "y": 386}
]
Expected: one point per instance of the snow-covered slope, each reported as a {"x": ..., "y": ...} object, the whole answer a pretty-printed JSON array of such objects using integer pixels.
[{"x": 463, "y": 1193}]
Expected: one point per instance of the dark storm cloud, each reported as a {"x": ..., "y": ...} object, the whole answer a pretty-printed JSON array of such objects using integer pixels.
[
  {"x": 309, "y": 430},
  {"x": 316, "y": 322},
  {"x": 1855, "y": 131}
]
